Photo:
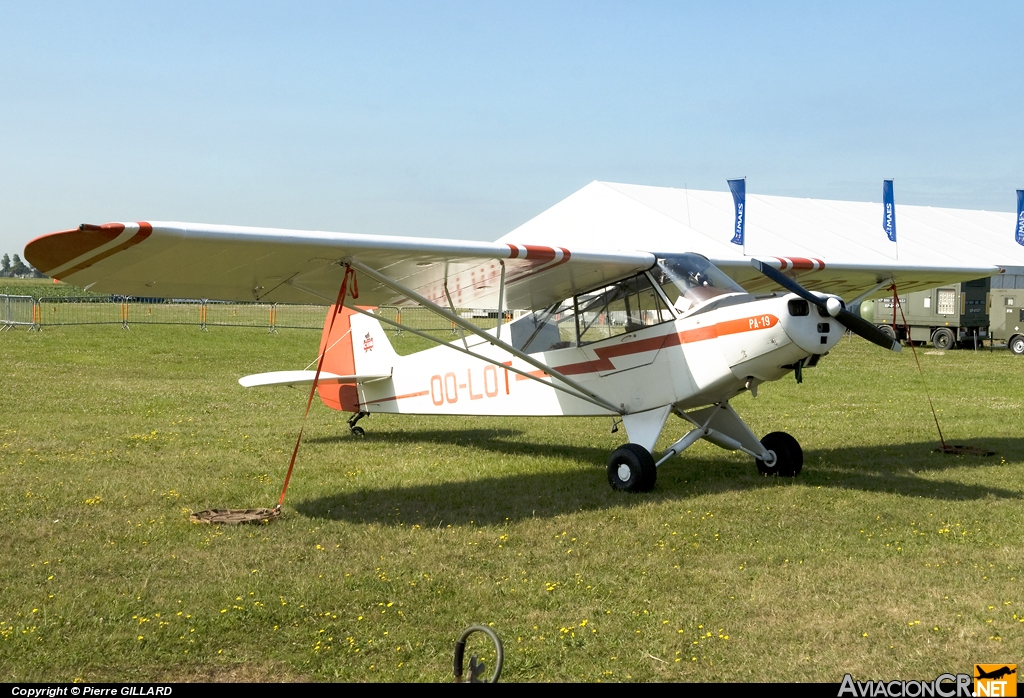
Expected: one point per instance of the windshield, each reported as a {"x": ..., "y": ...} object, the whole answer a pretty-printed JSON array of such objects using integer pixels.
[{"x": 694, "y": 279}]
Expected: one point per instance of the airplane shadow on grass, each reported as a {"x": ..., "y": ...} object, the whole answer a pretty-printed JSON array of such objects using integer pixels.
[{"x": 892, "y": 469}]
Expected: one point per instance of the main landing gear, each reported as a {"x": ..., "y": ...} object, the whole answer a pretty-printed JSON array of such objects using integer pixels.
[
  {"x": 632, "y": 468},
  {"x": 352, "y": 428}
]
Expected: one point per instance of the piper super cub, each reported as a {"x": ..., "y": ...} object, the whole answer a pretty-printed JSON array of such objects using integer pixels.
[{"x": 636, "y": 336}]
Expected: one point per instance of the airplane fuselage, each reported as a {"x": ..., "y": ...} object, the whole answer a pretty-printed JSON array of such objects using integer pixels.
[{"x": 706, "y": 357}]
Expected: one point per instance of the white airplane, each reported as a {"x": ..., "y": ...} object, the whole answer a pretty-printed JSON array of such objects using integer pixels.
[{"x": 637, "y": 336}]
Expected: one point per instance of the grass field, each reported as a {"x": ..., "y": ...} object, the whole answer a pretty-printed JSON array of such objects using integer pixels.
[
  {"x": 40, "y": 288},
  {"x": 883, "y": 559}
]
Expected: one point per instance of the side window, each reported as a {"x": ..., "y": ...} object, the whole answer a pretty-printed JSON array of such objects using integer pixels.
[
  {"x": 620, "y": 308},
  {"x": 623, "y": 307},
  {"x": 546, "y": 330}
]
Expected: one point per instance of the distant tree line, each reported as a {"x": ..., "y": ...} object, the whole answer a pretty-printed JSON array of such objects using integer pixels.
[{"x": 15, "y": 267}]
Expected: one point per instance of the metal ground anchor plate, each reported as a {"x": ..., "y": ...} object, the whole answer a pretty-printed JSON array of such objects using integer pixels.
[
  {"x": 235, "y": 516},
  {"x": 964, "y": 450}
]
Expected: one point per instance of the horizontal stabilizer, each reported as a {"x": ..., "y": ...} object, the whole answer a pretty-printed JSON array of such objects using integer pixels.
[{"x": 305, "y": 378}]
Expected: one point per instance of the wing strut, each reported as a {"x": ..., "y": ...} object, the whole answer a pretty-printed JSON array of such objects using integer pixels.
[
  {"x": 884, "y": 282},
  {"x": 452, "y": 307},
  {"x": 501, "y": 300},
  {"x": 578, "y": 389}
]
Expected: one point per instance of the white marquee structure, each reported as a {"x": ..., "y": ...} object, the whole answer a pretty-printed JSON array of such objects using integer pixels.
[{"x": 628, "y": 217}]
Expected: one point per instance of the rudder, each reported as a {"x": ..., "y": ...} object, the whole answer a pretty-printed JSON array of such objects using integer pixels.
[
  {"x": 357, "y": 345},
  {"x": 338, "y": 359}
]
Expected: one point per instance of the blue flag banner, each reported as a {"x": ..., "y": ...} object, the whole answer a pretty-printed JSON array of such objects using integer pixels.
[
  {"x": 739, "y": 198},
  {"x": 888, "y": 210},
  {"x": 1020, "y": 216}
]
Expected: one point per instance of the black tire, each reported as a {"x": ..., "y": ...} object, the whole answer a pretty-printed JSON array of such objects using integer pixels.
[
  {"x": 888, "y": 331},
  {"x": 789, "y": 457},
  {"x": 1016, "y": 344},
  {"x": 358, "y": 431},
  {"x": 631, "y": 469},
  {"x": 943, "y": 339}
]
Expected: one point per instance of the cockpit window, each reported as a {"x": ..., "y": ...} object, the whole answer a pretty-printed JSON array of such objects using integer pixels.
[
  {"x": 625, "y": 306},
  {"x": 691, "y": 279}
]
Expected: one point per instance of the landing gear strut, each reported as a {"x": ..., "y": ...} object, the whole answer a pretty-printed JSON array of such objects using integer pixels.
[
  {"x": 632, "y": 468},
  {"x": 352, "y": 428}
]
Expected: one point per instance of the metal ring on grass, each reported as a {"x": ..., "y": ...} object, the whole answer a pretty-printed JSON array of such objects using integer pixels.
[
  {"x": 475, "y": 667},
  {"x": 235, "y": 516}
]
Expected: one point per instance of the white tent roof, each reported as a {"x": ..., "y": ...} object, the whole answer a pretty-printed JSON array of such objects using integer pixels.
[{"x": 663, "y": 219}]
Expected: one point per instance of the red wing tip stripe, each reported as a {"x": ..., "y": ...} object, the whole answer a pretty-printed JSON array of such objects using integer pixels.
[
  {"x": 88, "y": 245},
  {"x": 53, "y": 251},
  {"x": 539, "y": 252},
  {"x": 801, "y": 263}
]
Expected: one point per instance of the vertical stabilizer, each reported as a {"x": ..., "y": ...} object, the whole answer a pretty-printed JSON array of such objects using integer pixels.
[
  {"x": 373, "y": 353},
  {"x": 340, "y": 360},
  {"x": 357, "y": 346}
]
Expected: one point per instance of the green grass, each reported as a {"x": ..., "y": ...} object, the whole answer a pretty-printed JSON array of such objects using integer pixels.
[
  {"x": 883, "y": 559},
  {"x": 40, "y": 288}
]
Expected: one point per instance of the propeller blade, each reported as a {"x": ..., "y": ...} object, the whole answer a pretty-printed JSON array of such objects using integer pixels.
[
  {"x": 854, "y": 323},
  {"x": 867, "y": 330}
]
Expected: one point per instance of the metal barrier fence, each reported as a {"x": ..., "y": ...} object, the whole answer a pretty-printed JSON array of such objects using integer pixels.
[
  {"x": 17, "y": 310},
  {"x": 127, "y": 311}
]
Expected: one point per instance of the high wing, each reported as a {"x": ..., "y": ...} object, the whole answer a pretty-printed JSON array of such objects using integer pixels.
[
  {"x": 850, "y": 279},
  {"x": 185, "y": 260}
]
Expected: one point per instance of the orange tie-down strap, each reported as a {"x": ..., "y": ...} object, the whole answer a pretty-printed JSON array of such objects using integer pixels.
[{"x": 339, "y": 305}]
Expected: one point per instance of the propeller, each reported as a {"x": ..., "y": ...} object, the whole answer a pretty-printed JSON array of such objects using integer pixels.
[{"x": 830, "y": 305}]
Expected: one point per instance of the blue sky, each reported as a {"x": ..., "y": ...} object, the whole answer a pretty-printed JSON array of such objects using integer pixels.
[{"x": 467, "y": 119}]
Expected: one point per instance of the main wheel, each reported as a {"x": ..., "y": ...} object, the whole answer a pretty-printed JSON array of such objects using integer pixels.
[
  {"x": 358, "y": 431},
  {"x": 789, "y": 457},
  {"x": 1016, "y": 344},
  {"x": 631, "y": 469},
  {"x": 943, "y": 338}
]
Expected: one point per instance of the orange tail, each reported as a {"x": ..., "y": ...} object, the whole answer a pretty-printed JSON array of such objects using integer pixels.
[{"x": 339, "y": 359}]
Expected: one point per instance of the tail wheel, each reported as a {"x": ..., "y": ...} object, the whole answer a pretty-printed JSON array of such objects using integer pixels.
[
  {"x": 789, "y": 457},
  {"x": 1016, "y": 344},
  {"x": 631, "y": 469},
  {"x": 943, "y": 338}
]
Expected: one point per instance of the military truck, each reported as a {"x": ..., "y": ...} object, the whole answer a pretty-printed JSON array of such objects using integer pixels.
[
  {"x": 1006, "y": 309},
  {"x": 948, "y": 316},
  {"x": 959, "y": 314}
]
